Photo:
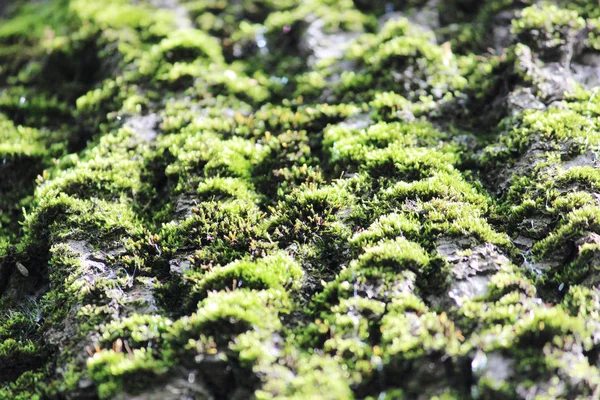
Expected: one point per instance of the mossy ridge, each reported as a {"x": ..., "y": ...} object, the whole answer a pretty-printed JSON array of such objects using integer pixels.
[
  {"x": 356, "y": 308},
  {"x": 39, "y": 88},
  {"x": 548, "y": 202},
  {"x": 527, "y": 286},
  {"x": 554, "y": 153},
  {"x": 60, "y": 208},
  {"x": 547, "y": 142}
]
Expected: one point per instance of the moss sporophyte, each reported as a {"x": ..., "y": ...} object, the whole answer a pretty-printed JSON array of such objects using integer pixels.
[{"x": 303, "y": 199}]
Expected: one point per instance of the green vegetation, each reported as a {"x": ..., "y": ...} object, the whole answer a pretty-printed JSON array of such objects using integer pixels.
[{"x": 299, "y": 199}]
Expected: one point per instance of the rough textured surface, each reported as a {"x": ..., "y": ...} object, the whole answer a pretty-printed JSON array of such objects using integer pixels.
[{"x": 213, "y": 199}]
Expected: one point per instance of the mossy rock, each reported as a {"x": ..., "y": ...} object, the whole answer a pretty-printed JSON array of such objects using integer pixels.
[{"x": 299, "y": 199}]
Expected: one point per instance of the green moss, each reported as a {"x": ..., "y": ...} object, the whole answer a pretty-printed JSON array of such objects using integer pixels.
[
  {"x": 461, "y": 219},
  {"x": 226, "y": 188},
  {"x": 202, "y": 194},
  {"x": 443, "y": 184},
  {"x": 151, "y": 345},
  {"x": 65, "y": 216},
  {"x": 428, "y": 333},
  {"x": 106, "y": 171},
  {"x": 547, "y": 27},
  {"x": 28, "y": 386},
  {"x": 238, "y": 22},
  {"x": 28, "y": 25},
  {"x": 397, "y": 254},
  {"x": 585, "y": 8},
  {"x": 347, "y": 145},
  {"x": 310, "y": 210},
  {"x": 559, "y": 128},
  {"x": 400, "y": 46},
  {"x": 223, "y": 314},
  {"x": 392, "y": 106},
  {"x": 586, "y": 176},
  {"x": 346, "y": 19},
  {"x": 231, "y": 158},
  {"x": 181, "y": 46},
  {"x": 505, "y": 284},
  {"x": 317, "y": 376},
  {"x": 118, "y": 14},
  {"x": 277, "y": 271},
  {"x": 575, "y": 224},
  {"x": 387, "y": 227},
  {"x": 219, "y": 233},
  {"x": 538, "y": 329},
  {"x": 110, "y": 369}
]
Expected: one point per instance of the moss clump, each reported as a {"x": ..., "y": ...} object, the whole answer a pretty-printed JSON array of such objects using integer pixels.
[
  {"x": 547, "y": 28},
  {"x": 217, "y": 330}
]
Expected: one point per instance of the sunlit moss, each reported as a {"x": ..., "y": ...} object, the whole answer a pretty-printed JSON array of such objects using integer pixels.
[{"x": 212, "y": 194}]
